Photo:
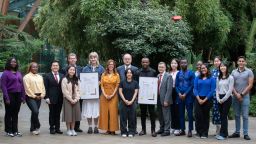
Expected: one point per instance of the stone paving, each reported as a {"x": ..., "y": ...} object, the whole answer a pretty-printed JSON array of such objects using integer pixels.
[{"x": 84, "y": 138}]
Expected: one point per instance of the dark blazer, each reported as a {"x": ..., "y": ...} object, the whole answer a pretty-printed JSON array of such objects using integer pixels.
[
  {"x": 53, "y": 88},
  {"x": 121, "y": 72},
  {"x": 166, "y": 88}
]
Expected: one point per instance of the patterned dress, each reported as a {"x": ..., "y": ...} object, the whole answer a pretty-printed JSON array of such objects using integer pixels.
[{"x": 215, "y": 111}]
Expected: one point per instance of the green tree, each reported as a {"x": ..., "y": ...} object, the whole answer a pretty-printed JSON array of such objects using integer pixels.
[
  {"x": 148, "y": 32},
  {"x": 18, "y": 44}
]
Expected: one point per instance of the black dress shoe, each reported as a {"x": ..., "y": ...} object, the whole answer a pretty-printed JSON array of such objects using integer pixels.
[
  {"x": 153, "y": 134},
  {"x": 78, "y": 130},
  {"x": 142, "y": 133},
  {"x": 165, "y": 134},
  {"x": 246, "y": 137},
  {"x": 58, "y": 132},
  {"x": 189, "y": 134},
  {"x": 52, "y": 131},
  {"x": 234, "y": 135},
  {"x": 159, "y": 132}
]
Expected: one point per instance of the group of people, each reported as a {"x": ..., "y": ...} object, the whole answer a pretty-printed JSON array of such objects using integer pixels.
[{"x": 179, "y": 89}]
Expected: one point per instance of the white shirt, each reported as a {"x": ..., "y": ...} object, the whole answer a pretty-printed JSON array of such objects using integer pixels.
[
  {"x": 126, "y": 67},
  {"x": 174, "y": 74}
]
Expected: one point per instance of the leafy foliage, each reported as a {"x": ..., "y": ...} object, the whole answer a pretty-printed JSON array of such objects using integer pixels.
[
  {"x": 148, "y": 31},
  {"x": 18, "y": 44}
]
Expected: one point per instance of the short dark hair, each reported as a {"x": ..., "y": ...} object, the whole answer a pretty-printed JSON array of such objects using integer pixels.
[
  {"x": 55, "y": 61},
  {"x": 208, "y": 75},
  {"x": 217, "y": 57},
  {"x": 8, "y": 64},
  {"x": 126, "y": 71},
  {"x": 241, "y": 57}
]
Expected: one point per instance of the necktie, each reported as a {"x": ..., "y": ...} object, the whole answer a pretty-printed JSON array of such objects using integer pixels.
[
  {"x": 55, "y": 77},
  {"x": 159, "y": 83}
]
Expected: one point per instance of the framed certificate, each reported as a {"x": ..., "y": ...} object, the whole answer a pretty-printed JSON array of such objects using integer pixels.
[
  {"x": 148, "y": 90},
  {"x": 89, "y": 86}
]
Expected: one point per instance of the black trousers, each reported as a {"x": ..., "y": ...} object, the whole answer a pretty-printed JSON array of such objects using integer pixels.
[
  {"x": 224, "y": 110},
  {"x": 144, "y": 109},
  {"x": 77, "y": 124},
  {"x": 11, "y": 112},
  {"x": 127, "y": 114},
  {"x": 54, "y": 115},
  {"x": 202, "y": 117},
  {"x": 34, "y": 106},
  {"x": 175, "y": 121}
]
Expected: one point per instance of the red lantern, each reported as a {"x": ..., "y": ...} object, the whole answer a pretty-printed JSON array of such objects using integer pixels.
[{"x": 176, "y": 18}]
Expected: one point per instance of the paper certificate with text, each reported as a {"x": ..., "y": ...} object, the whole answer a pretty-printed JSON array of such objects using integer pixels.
[
  {"x": 148, "y": 90},
  {"x": 89, "y": 86}
]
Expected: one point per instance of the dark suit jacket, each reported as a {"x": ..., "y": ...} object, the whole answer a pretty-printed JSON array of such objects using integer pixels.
[
  {"x": 121, "y": 71},
  {"x": 52, "y": 88},
  {"x": 166, "y": 89}
]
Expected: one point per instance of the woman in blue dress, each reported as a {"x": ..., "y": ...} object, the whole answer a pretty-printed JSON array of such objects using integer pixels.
[{"x": 215, "y": 111}]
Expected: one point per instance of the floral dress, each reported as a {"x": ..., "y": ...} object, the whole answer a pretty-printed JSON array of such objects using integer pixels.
[{"x": 215, "y": 111}]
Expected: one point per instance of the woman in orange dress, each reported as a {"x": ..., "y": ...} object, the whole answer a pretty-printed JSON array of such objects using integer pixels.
[{"x": 110, "y": 80}]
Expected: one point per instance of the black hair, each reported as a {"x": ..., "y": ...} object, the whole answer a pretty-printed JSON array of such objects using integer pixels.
[
  {"x": 55, "y": 61},
  {"x": 8, "y": 64},
  {"x": 221, "y": 74},
  {"x": 73, "y": 80},
  {"x": 208, "y": 75},
  {"x": 217, "y": 57},
  {"x": 126, "y": 71},
  {"x": 241, "y": 57},
  {"x": 178, "y": 64}
]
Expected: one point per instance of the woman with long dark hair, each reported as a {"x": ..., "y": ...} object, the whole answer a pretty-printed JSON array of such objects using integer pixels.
[
  {"x": 204, "y": 87},
  {"x": 71, "y": 95},
  {"x": 224, "y": 88},
  {"x": 216, "y": 120},
  {"x": 175, "y": 123},
  {"x": 128, "y": 91},
  {"x": 13, "y": 94}
]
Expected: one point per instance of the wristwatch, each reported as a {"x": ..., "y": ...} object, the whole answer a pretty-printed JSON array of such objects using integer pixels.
[{"x": 242, "y": 95}]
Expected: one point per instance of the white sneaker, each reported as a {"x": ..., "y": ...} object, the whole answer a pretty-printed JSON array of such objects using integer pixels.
[
  {"x": 74, "y": 133},
  {"x": 69, "y": 133},
  {"x": 130, "y": 136},
  {"x": 172, "y": 131},
  {"x": 124, "y": 135},
  {"x": 38, "y": 131},
  {"x": 203, "y": 137},
  {"x": 35, "y": 132},
  {"x": 176, "y": 132}
]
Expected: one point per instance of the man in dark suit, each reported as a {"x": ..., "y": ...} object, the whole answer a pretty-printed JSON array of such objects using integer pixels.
[
  {"x": 54, "y": 97},
  {"x": 127, "y": 59},
  {"x": 164, "y": 99},
  {"x": 72, "y": 59}
]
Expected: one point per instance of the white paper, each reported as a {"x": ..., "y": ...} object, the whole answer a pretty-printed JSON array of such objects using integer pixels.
[
  {"x": 148, "y": 90},
  {"x": 89, "y": 86}
]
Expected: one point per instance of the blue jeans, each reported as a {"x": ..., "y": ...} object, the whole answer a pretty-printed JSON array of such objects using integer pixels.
[{"x": 241, "y": 108}]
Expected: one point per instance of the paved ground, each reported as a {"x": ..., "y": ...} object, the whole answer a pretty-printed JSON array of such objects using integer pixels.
[{"x": 46, "y": 138}]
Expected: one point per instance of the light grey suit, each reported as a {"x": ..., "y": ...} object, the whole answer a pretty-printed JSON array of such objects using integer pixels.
[{"x": 165, "y": 95}]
